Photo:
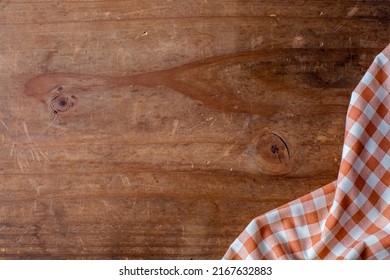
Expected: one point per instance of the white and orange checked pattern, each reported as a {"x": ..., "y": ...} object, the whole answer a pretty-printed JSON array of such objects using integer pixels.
[{"x": 346, "y": 219}]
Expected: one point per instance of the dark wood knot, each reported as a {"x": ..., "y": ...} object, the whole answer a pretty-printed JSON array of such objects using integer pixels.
[
  {"x": 272, "y": 154},
  {"x": 62, "y": 102},
  {"x": 274, "y": 149}
]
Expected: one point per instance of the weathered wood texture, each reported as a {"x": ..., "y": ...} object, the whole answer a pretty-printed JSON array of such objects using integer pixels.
[{"x": 159, "y": 129}]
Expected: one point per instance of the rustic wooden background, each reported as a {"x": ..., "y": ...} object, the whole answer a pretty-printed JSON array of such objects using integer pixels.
[{"x": 159, "y": 129}]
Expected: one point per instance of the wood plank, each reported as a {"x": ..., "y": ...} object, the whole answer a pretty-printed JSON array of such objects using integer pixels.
[{"x": 158, "y": 130}]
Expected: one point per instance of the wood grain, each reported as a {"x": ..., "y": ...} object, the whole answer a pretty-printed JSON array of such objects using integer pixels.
[{"x": 159, "y": 129}]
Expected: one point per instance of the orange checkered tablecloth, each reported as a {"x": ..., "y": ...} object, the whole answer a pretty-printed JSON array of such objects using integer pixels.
[{"x": 346, "y": 219}]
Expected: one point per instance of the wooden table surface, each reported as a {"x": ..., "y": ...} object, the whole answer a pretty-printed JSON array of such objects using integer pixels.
[{"x": 159, "y": 129}]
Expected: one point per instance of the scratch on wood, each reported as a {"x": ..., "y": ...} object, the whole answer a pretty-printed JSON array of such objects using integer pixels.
[
  {"x": 50, "y": 125},
  {"x": 19, "y": 239},
  {"x": 229, "y": 149},
  {"x": 82, "y": 243},
  {"x": 12, "y": 149},
  {"x": 6, "y": 127},
  {"x": 199, "y": 124},
  {"x": 350, "y": 14},
  {"x": 186, "y": 240},
  {"x": 35, "y": 186},
  {"x": 125, "y": 181},
  {"x": 26, "y": 131},
  {"x": 37, "y": 156},
  {"x": 43, "y": 155},
  {"x": 213, "y": 122},
  {"x": 134, "y": 203},
  {"x": 33, "y": 209},
  {"x": 175, "y": 125},
  {"x": 81, "y": 206},
  {"x": 32, "y": 154},
  {"x": 353, "y": 11},
  {"x": 20, "y": 165},
  {"x": 43, "y": 227}
]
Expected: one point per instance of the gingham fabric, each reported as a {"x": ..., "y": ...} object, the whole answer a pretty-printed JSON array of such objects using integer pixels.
[{"x": 346, "y": 219}]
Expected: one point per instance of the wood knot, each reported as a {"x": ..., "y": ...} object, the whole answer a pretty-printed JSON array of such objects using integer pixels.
[
  {"x": 62, "y": 102},
  {"x": 271, "y": 153}
]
